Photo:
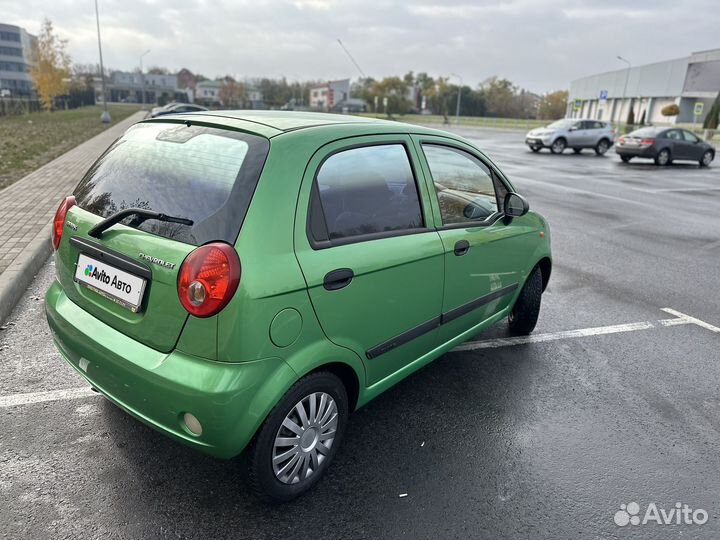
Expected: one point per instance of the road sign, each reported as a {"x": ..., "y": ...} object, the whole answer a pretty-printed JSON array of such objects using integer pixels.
[
  {"x": 698, "y": 108},
  {"x": 577, "y": 105},
  {"x": 603, "y": 95}
]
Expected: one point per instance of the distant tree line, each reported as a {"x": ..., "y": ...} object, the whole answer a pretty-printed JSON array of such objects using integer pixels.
[{"x": 494, "y": 97}]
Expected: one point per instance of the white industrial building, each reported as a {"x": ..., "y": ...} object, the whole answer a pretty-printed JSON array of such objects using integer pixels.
[{"x": 683, "y": 81}]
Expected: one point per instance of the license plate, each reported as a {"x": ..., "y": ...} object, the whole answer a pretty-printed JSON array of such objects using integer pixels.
[{"x": 117, "y": 285}]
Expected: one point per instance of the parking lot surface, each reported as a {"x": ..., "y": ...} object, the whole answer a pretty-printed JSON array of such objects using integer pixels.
[{"x": 616, "y": 399}]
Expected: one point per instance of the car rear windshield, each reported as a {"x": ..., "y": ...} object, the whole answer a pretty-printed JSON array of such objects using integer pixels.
[
  {"x": 644, "y": 132},
  {"x": 204, "y": 174}
]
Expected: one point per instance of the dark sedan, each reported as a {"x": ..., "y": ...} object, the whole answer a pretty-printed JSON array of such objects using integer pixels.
[{"x": 665, "y": 145}]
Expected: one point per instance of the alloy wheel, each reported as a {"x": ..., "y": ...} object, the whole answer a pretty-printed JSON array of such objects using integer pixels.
[
  {"x": 707, "y": 158},
  {"x": 305, "y": 438}
]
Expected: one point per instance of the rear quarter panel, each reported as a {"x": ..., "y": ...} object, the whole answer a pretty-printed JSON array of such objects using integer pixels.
[{"x": 271, "y": 279}]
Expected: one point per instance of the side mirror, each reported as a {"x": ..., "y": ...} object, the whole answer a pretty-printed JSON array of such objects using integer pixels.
[
  {"x": 572, "y": 128},
  {"x": 515, "y": 205}
]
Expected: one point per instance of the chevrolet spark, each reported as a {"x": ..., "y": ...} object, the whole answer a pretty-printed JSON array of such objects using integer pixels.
[{"x": 242, "y": 281}]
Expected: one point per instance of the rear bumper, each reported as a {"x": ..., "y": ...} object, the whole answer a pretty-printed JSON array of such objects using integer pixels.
[
  {"x": 648, "y": 152},
  {"x": 229, "y": 399}
]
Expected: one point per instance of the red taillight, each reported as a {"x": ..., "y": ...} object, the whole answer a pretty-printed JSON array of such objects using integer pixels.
[
  {"x": 647, "y": 142},
  {"x": 208, "y": 278},
  {"x": 59, "y": 222}
]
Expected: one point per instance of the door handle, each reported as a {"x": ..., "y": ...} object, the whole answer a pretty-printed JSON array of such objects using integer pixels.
[
  {"x": 461, "y": 247},
  {"x": 338, "y": 279}
]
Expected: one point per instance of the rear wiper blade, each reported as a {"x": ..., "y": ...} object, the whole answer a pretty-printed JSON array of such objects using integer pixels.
[{"x": 97, "y": 230}]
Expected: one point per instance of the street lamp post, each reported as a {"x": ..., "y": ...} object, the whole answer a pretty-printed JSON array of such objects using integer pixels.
[
  {"x": 457, "y": 106},
  {"x": 142, "y": 78},
  {"x": 627, "y": 76},
  {"x": 105, "y": 116}
]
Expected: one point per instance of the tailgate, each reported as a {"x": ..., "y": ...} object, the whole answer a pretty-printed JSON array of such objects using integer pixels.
[
  {"x": 122, "y": 258},
  {"x": 194, "y": 185}
]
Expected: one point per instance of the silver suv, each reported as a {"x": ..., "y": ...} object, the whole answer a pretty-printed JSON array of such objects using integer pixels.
[{"x": 572, "y": 133}]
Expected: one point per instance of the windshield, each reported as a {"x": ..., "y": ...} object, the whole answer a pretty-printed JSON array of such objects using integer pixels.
[
  {"x": 203, "y": 174},
  {"x": 560, "y": 124}
]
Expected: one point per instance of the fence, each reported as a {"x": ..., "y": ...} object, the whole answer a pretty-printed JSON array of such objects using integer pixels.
[
  {"x": 72, "y": 100},
  {"x": 12, "y": 106}
]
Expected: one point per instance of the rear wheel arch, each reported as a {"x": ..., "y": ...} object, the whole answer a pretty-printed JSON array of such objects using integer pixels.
[
  {"x": 545, "y": 265},
  {"x": 347, "y": 375}
]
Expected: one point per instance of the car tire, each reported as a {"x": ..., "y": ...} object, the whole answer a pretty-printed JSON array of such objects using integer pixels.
[
  {"x": 626, "y": 159},
  {"x": 577, "y": 150},
  {"x": 707, "y": 158},
  {"x": 558, "y": 146},
  {"x": 602, "y": 146},
  {"x": 264, "y": 470},
  {"x": 535, "y": 149},
  {"x": 525, "y": 312},
  {"x": 662, "y": 158}
]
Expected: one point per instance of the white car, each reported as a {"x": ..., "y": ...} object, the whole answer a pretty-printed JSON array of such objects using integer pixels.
[{"x": 572, "y": 133}]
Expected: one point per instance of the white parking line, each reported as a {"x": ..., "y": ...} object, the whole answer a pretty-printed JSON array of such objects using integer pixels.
[
  {"x": 14, "y": 400},
  {"x": 679, "y": 319},
  {"x": 692, "y": 320}
]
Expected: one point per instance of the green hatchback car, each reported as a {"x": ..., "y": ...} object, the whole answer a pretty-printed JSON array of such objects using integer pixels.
[{"x": 242, "y": 281}]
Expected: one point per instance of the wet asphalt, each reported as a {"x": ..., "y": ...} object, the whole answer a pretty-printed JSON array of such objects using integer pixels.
[{"x": 542, "y": 440}]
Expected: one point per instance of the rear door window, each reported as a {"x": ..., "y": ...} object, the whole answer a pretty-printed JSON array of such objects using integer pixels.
[
  {"x": 365, "y": 191},
  {"x": 204, "y": 174}
]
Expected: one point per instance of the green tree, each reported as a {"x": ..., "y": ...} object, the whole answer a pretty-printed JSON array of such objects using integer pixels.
[
  {"x": 713, "y": 115},
  {"x": 670, "y": 110},
  {"x": 231, "y": 93},
  {"x": 499, "y": 96},
  {"x": 157, "y": 70},
  {"x": 630, "y": 121},
  {"x": 51, "y": 65},
  {"x": 553, "y": 105},
  {"x": 438, "y": 94},
  {"x": 395, "y": 90}
]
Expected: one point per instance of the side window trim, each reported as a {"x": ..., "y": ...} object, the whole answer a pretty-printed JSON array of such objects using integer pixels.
[
  {"x": 315, "y": 210},
  {"x": 497, "y": 176}
]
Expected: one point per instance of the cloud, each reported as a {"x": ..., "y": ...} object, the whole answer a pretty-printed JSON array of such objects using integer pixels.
[{"x": 538, "y": 45}]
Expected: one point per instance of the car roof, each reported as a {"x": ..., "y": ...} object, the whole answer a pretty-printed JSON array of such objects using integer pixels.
[{"x": 273, "y": 123}]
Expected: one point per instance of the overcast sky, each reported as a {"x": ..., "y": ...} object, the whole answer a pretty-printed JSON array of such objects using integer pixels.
[{"x": 540, "y": 45}]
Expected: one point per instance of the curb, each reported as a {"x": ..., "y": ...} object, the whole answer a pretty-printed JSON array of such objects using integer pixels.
[{"x": 22, "y": 271}]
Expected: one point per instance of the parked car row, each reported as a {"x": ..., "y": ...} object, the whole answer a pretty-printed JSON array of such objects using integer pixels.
[{"x": 661, "y": 144}]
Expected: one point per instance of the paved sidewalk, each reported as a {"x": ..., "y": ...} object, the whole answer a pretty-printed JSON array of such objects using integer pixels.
[{"x": 27, "y": 206}]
